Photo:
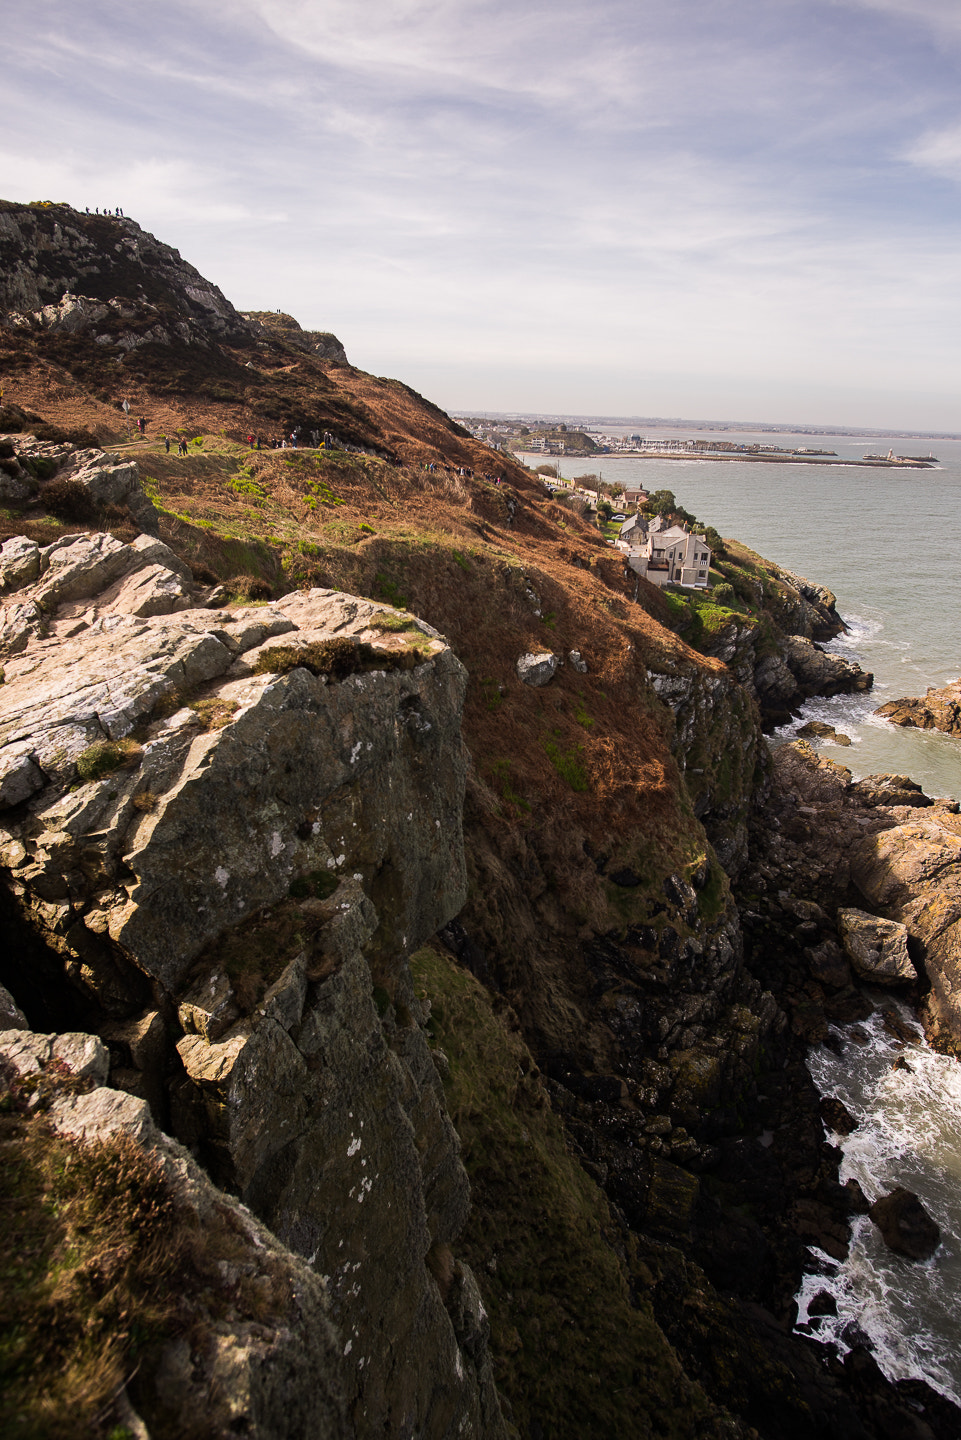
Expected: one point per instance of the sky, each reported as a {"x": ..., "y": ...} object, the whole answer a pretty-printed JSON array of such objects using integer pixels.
[{"x": 716, "y": 209}]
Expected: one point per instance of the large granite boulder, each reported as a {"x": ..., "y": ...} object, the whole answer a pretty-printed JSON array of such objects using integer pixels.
[
  {"x": 537, "y": 669},
  {"x": 878, "y": 949},
  {"x": 938, "y": 709}
]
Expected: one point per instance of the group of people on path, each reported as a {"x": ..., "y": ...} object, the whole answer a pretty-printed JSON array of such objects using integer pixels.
[
  {"x": 116, "y": 211},
  {"x": 291, "y": 441}
]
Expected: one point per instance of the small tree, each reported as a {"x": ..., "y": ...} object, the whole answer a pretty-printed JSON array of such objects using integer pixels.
[
  {"x": 549, "y": 470},
  {"x": 605, "y": 509}
]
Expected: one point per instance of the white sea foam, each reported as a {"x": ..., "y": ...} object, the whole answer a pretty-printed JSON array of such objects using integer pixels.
[{"x": 908, "y": 1134}]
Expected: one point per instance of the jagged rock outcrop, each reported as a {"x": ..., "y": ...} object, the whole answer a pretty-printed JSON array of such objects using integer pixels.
[
  {"x": 228, "y": 847},
  {"x": 937, "y": 709},
  {"x": 827, "y": 839},
  {"x": 912, "y": 873},
  {"x": 319, "y": 342},
  {"x": 718, "y": 748},
  {"x": 783, "y": 670},
  {"x": 91, "y": 482},
  {"x": 103, "y": 276}
]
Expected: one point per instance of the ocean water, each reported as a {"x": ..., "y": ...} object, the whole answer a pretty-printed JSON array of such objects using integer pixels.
[
  {"x": 909, "y": 1134},
  {"x": 887, "y": 542}
]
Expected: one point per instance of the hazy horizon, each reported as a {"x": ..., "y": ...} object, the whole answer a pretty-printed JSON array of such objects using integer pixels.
[
  {"x": 801, "y": 427},
  {"x": 670, "y": 207}
]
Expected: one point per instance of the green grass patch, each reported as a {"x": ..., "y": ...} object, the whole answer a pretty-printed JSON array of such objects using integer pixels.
[
  {"x": 244, "y": 483},
  {"x": 499, "y": 771},
  {"x": 569, "y": 763},
  {"x": 389, "y": 591},
  {"x": 395, "y": 624}
]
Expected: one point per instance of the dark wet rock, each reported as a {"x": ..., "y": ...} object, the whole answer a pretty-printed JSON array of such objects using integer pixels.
[
  {"x": 857, "y": 1201},
  {"x": 896, "y": 1025},
  {"x": 823, "y": 1304},
  {"x": 901, "y": 1064},
  {"x": 906, "y": 1225},
  {"x": 819, "y": 1224},
  {"x": 836, "y": 1115},
  {"x": 828, "y": 965},
  {"x": 848, "y": 1006}
]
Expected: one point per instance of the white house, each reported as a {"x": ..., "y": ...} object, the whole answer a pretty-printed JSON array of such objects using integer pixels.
[{"x": 665, "y": 555}]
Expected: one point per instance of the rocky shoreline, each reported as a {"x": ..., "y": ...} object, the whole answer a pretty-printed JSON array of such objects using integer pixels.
[{"x": 937, "y": 709}]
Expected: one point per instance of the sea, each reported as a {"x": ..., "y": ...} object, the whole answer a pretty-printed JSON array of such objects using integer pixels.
[{"x": 888, "y": 543}]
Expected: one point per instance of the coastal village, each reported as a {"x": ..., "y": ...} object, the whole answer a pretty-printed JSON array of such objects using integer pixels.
[{"x": 546, "y": 438}]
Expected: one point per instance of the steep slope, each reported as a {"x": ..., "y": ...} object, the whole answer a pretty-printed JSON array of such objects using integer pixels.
[{"x": 95, "y": 311}]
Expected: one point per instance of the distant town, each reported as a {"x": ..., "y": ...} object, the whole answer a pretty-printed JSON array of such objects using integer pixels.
[{"x": 567, "y": 439}]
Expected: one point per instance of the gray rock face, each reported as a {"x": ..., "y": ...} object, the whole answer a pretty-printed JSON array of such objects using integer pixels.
[
  {"x": 878, "y": 949},
  {"x": 537, "y": 669},
  {"x": 262, "y": 881},
  {"x": 106, "y": 277}
]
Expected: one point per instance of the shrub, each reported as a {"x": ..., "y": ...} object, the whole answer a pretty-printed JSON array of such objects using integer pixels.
[
  {"x": 69, "y": 500},
  {"x": 202, "y": 574},
  {"x": 214, "y": 713},
  {"x": 336, "y": 658},
  {"x": 249, "y": 587},
  {"x": 723, "y": 593},
  {"x": 104, "y": 756}
]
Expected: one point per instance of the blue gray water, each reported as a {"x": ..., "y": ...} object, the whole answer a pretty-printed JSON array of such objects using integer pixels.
[{"x": 888, "y": 543}]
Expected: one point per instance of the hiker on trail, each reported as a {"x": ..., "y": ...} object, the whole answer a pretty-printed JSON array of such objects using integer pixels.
[
  {"x": 250, "y": 441},
  {"x": 182, "y": 448},
  {"x": 142, "y": 425},
  {"x": 167, "y": 443}
]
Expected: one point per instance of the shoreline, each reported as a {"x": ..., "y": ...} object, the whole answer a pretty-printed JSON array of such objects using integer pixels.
[{"x": 607, "y": 456}]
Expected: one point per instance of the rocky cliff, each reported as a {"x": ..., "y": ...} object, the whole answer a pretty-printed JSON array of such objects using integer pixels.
[
  {"x": 321, "y": 881},
  {"x": 225, "y": 831}
]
